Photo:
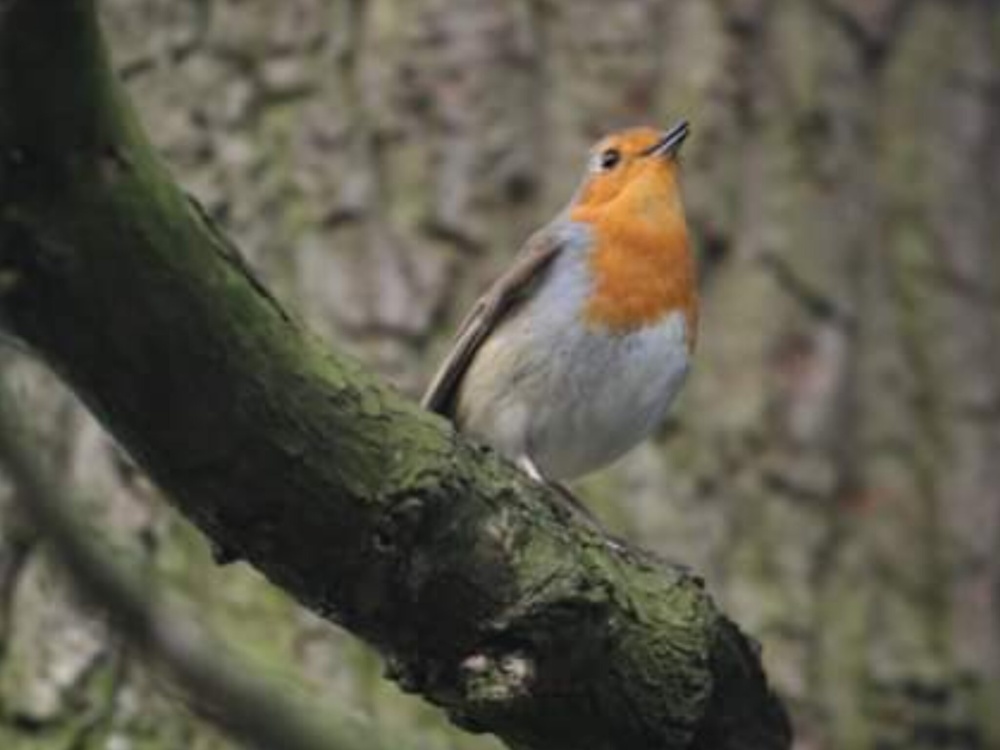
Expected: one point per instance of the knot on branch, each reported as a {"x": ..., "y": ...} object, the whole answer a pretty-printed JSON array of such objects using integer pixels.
[
  {"x": 497, "y": 678},
  {"x": 398, "y": 527}
]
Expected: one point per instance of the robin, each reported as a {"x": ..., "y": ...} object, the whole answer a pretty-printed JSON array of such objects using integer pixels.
[{"x": 575, "y": 354}]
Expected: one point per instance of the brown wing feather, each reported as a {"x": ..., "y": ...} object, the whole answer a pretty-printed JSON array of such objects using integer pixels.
[{"x": 484, "y": 316}]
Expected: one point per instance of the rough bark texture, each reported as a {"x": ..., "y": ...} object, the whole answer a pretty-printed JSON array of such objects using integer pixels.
[
  {"x": 832, "y": 469},
  {"x": 476, "y": 588}
]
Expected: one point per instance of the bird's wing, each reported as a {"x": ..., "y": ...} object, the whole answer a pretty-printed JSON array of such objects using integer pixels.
[{"x": 505, "y": 293}]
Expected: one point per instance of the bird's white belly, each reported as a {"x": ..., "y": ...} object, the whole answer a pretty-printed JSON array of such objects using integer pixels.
[{"x": 572, "y": 399}]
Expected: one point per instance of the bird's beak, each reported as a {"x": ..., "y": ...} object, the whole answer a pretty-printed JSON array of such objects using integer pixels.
[{"x": 671, "y": 142}]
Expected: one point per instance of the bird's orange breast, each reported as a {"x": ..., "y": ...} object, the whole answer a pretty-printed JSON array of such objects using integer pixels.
[{"x": 642, "y": 271}]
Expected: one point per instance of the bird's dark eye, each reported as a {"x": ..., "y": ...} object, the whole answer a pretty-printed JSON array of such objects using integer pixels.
[{"x": 609, "y": 158}]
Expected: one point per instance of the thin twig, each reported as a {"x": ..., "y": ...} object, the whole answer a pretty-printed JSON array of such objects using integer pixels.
[{"x": 218, "y": 689}]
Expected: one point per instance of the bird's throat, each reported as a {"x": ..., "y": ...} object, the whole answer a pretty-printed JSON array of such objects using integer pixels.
[{"x": 643, "y": 271}]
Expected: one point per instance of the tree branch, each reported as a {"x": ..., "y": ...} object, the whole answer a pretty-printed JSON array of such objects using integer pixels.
[{"x": 464, "y": 574}]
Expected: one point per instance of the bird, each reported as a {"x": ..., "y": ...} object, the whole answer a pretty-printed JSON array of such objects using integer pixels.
[{"x": 574, "y": 355}]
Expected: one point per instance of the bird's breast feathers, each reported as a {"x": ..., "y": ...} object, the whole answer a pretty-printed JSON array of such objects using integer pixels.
[
  {"x": 641, "y": 273},
  {"x": 620, "y": 280}
]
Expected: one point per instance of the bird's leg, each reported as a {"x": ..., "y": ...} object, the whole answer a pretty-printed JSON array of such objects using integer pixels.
[
  {"x": 570, "y": 501},
  {"x": 526, "y": 465}
]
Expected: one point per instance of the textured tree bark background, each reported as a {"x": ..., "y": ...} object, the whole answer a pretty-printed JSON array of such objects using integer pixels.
[{"x": 834, "y": 465}]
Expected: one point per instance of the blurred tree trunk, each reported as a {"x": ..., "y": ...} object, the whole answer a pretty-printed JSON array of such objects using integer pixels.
[{"x": 833, "y": 464}]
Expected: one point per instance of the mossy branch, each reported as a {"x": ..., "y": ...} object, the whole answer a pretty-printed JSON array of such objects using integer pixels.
[{"x": 478, "y": 591}]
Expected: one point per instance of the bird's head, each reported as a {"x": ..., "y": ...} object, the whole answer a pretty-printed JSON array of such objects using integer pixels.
[{"x": 633, "y": 170}]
